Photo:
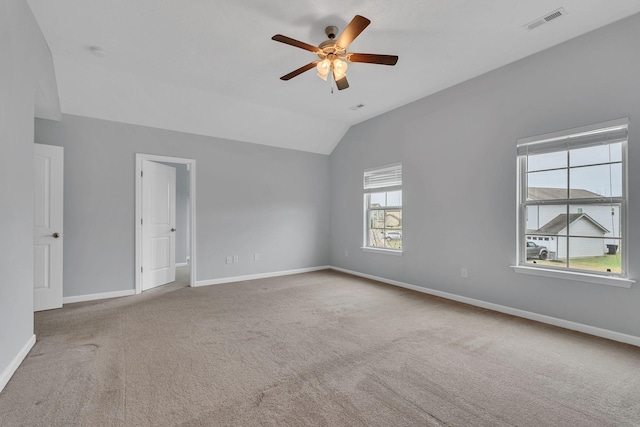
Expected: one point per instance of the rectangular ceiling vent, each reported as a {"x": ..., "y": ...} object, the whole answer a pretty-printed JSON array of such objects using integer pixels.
[
  {"x": 356, "y": 107},
  {"x": 546, "y": 18}
]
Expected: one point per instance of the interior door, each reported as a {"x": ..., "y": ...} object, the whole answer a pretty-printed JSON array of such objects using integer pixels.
[
  {"x": 158, "y": 224},
  {"x": 48, "y": 233}
]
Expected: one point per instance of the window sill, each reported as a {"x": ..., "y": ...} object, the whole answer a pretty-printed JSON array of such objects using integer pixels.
[
  {"x": 382, "y": 251},
  {"x": 572, "y": 275}
]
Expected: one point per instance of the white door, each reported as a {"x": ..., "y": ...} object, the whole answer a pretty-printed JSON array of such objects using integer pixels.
[
  {"x": 48, "y": 205},
  {"x": 158, "y": 224}
]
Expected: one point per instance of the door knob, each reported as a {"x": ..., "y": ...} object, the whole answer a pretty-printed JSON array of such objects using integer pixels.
[
  {"x": 173, "y": 229},
  {"x": 56, "y": 235}
]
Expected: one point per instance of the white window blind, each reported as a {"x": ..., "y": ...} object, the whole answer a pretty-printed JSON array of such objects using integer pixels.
[
  {"x": 616, "y": 131},
  {"x": 383, "y": 177}
]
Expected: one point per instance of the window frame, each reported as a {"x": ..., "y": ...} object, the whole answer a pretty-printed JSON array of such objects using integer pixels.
[
  {"x": 391, "y": 182},
  {"x": 557, "y": 138}
]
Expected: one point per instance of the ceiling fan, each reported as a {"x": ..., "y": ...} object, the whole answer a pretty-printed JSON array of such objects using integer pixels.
[{"x": 333, "y": 53}]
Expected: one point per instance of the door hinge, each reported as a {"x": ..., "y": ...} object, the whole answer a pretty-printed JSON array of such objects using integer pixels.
[
  {"x": 141, "y": 221},
  {"x": 141, "y": 174},
  {"x": 141, "y": 270}
]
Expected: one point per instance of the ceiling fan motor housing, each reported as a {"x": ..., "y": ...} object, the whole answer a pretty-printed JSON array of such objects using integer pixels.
[
  {"x": 329, "y": 47},
  {"x": 331, "y": 31}
]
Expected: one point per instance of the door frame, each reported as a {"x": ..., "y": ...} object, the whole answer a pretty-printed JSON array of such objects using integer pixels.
[{"x": 191, "y": 167}]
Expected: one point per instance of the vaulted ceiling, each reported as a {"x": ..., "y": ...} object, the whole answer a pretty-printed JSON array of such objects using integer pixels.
[{"x": 211, "y": 68}]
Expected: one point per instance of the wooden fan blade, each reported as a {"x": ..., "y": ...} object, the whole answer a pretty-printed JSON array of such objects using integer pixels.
[
  {"x": 299, "y": 71},
  {"x": 353, "y": 30},
  {"x": 371, "y": 58},
  {"x": 342, "y": 83},
  {"x": 296, "y": 43}
]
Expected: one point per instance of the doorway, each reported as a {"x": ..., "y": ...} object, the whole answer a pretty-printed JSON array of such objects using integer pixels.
[{"x": 189, "y": 222}]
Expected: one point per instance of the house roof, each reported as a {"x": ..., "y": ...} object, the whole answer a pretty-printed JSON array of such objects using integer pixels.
[
  {"x": 211, "y": 68},
  {"x": 559, "y": 223},
  {"x": 546, "y": 193}
]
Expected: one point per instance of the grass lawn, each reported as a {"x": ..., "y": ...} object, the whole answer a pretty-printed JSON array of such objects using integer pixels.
[{"x": 599, "y": 263}]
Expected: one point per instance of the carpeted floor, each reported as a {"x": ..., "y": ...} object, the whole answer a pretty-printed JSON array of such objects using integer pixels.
[{"x": 321, "y": 348}]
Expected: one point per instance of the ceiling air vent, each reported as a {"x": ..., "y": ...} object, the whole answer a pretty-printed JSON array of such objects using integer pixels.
[
  {"x": 546, "y": 18},
  {"x": 356, "y": 107}
]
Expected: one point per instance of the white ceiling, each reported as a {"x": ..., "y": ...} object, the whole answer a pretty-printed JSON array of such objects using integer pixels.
[{"x": 211, "y": 68}]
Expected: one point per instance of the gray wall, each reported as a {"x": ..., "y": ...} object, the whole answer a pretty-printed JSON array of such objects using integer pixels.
[
  {"x": 182, "y": 211},
  {"x": 459, "y": 164},
  {"x": 250, "y": 199},
  {"x": 25, "y": 58}
]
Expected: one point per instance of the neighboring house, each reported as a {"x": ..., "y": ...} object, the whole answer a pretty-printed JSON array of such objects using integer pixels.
[
  {"x": 545, "y": 193},
  {"x": 386, "y": 225},
  {"x": 552, "y": 235},
  {"x": 606, "y": 214},
  {"x": 391, "y": 219}
]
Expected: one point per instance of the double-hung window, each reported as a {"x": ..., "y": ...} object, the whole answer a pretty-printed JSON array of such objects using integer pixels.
[
  {"x": 383, "y": 208},
  {"x": 573, "y": 200}
]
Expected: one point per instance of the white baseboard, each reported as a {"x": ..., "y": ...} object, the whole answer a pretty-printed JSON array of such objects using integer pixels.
[
  {"x": 6, "y": 375},
  {"x": 259, "y": 276},
  {"x": 93, "y": 297},
  {"x": 574, "y": 326},
  {"x": 182, "y": 264}
]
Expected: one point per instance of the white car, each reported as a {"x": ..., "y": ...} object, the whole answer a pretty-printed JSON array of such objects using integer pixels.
[{"x": 394, "y": 235}]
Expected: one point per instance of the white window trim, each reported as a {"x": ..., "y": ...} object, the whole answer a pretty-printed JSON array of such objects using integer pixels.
[
  {"x": 601, "y": 279},
  {"x": 620, "y": 282},
  {"x": 396, "y": 252}
]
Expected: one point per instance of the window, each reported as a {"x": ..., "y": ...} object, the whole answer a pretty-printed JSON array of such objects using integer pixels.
[
  {"x": 383, "y": 208},
  {"x": 573, "y": 194}
]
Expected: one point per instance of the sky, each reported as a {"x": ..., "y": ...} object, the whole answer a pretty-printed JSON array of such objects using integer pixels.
[{"x": 603, "y": 176}]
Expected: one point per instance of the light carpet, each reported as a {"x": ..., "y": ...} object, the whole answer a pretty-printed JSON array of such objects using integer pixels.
[{"x": 316, "y": 349}]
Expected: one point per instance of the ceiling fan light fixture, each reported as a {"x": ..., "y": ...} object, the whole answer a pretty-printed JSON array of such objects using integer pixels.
[
  {"x": 323, "y": 67},
  {"x": 339, "y": 68}
]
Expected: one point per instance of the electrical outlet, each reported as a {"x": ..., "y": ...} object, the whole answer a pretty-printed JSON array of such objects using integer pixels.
[
  {"x": 236, "y": 258},
  {"x": 346, "y": 253},
  {"x": 229, "y": 260},
  {"x": 256, "y": 257},
  {"x": 464, "y": 272}
]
